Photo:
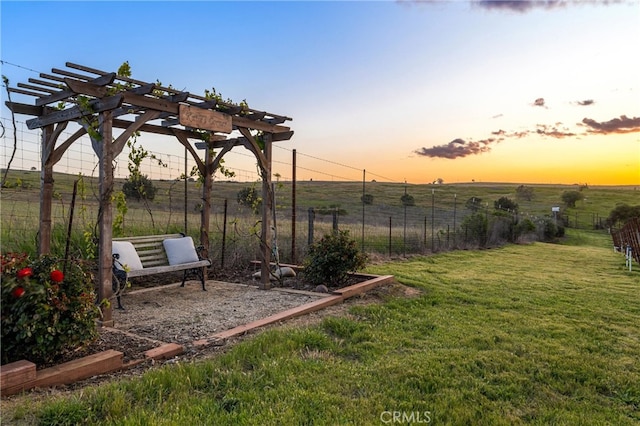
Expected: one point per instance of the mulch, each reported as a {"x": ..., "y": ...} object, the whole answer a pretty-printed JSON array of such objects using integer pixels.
[{"x": 133, "y": 347}]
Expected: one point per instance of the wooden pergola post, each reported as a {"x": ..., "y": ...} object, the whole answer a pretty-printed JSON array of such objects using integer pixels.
[
  {"x": 206, "y": 203},
  {"x": 46, "y": 194},
  {"x": 267, "y": 211},
  {"x": 105, "y": 262}
]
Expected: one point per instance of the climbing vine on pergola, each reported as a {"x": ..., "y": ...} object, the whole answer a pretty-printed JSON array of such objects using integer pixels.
[{"x": 102, "y": 101}]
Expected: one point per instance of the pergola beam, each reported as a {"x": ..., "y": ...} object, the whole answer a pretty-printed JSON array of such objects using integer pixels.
[
  {"x": 18, "y": 108},
  {"x": 75, "y": 112},
  {"x": 63, "y": 94},
  {"x": 36, "y": 88}
]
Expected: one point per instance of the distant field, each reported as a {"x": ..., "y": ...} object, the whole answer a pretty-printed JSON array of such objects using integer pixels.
[
  {"x": 438, "y": 208},
  {"x": 599, "y": 200}
]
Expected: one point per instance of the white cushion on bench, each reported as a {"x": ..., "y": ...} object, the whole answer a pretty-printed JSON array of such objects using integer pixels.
[
  {"x": 128, "y": 255},
  {"x": 180, "y": 250}
]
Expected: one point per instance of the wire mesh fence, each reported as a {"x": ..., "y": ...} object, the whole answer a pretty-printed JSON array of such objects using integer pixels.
[{"x": 388, "y": 224}]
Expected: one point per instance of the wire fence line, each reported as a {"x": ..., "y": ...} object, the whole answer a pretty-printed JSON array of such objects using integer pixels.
[{"x": 435, "y": 223}]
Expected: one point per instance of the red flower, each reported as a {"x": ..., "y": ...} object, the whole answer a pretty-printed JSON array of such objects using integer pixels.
[
  {"x": 56, "y": 276},
  {"x": 25, "y": 272},
  {"x": 17, "y": 292}
]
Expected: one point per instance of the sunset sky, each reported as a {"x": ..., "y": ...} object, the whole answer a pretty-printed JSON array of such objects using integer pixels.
[{"x": 513, "y": 91}]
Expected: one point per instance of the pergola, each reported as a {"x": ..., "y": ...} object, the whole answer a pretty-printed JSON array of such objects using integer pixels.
[{"x": 100, "y": 101}]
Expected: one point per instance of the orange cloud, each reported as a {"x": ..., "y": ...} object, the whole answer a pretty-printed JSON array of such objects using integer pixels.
[
  {"x": 539, "y": 102},
  {"x": 545, "y": 130},
  {"x": 623, "y": 124},
  {"x": 458, "y": 148}
]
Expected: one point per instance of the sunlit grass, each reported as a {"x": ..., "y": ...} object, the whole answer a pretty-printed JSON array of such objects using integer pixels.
[{"x": 535, "y": 334}]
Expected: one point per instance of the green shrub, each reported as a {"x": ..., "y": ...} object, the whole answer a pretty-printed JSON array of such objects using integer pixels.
[
  {"x": 505, "y": 204},
  {"x": 408, "y": 200},
  {"x": 500, "y": 228},
  {"x": 569, "y": 198},
  {"x": 45, "y": 312},
  {"x": 622, "y": 213},
  {"x": 525, "y": 226},
  {"x": 367, "y": 199},
  {"x": 524, "y": 193},
  {"x": 139, "y": 187},
  {"x": 249, "y": 197},
  {"x": 549, "y": 229},
  {"x": 475, "y": 228},
  {"x": 330, "y": 260}
]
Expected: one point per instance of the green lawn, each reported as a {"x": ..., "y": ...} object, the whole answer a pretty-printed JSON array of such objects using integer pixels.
[{"x": 532, "y": 334}]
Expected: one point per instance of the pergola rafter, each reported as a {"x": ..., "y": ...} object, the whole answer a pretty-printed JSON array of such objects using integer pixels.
[{"x": 100, "y": 101}]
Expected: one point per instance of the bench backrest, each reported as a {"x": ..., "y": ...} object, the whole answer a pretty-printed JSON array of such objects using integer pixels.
[{"x": 150, "y": 248}]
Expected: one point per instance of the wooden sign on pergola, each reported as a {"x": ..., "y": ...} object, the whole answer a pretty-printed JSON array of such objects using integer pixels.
[{"x": 100, "y": 101}]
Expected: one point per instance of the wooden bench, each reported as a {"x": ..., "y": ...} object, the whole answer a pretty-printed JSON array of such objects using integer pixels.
[{"x": 151, "y": 255}]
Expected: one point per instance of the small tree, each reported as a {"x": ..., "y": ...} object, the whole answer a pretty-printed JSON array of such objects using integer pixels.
[
  {"x": 504, "y": 203},
  {"x": 249, "y": 197},
  {"x": 330, "y": 260},
  {"x": 139, "y": 187},
  {"x": 571, "y": 197},
  {"x": 524, "y": 193},
  {"x": 475, "y": 228},
  {"x": 367, "y": 199},
  {"x": 408, "y": 200},
  {"x": 622, "y": 213}
]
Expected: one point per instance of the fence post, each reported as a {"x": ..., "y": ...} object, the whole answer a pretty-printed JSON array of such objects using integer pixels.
[
  {"x": 364, "y": 193},
  {"x": 455, "y": 206},
  {"x": 433, "y": 198},
  {"x": 312, "y": 216},
  {"x": 224, "y": 234},
  {"x": 424, "y": 235},
  {"x": 448, "y": 246},
  {"x": 389, "y": 236},
  {"x": 335, "y": 220},
  {"x": 293, "y": 210},
  {"x": 404, "y": 232}
]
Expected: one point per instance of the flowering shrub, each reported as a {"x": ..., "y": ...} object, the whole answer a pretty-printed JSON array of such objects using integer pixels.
[
  {"x": 330, "y": 260},
  {"x": 45, "y": 312}
]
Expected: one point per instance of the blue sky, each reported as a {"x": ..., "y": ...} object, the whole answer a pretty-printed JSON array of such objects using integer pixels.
[{"x": 543, "y": 92}]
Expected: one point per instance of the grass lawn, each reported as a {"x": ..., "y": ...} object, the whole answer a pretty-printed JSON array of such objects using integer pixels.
[{"x": 531, "y": 334}]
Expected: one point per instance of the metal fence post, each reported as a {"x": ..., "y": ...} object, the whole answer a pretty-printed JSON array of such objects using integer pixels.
[
  {"x": 389, "y": 236},
  {"x": 312, "y": 216},
  {"x": 224, "y": 234}
]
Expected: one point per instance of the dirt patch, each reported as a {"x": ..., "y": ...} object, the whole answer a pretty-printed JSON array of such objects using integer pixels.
[{"x": 175, "y": 314}]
